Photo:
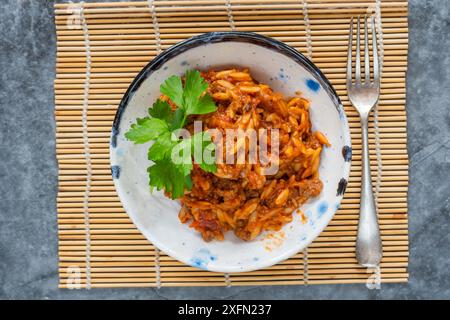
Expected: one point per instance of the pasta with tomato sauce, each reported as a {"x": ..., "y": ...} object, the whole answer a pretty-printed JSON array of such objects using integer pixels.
[{"x": 240, "y": 197}]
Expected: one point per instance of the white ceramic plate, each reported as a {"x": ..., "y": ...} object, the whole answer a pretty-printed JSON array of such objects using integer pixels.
[{"x": 270, "y": 62}]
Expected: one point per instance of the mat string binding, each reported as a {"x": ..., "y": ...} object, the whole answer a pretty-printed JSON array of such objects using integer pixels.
[
  {"x": 307, "y": 28},
  {"x": 379, "y": 29},
  {"x": 378, "y": 276},
  {"x": 230, "y": 15},
  {"x": 233, "y": 28},
  {"x": 309, "y": 54},
  {"x": 374, "y": 280},
  {"x": 151, "y": 5},
  {"x": 157, "y": 268},
  {"x": 305, "y": 266},
  {"x": 86, "y": 147},
  {"x": 227, "y": 279}
]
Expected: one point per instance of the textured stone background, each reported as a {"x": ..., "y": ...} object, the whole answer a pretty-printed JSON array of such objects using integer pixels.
[{"x": 28, "y": 171}]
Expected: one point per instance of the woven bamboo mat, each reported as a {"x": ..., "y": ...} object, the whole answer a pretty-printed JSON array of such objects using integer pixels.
[{"x": 102, "y": 46}]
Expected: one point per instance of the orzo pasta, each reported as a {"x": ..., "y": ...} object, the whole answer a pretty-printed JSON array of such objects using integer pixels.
[{"x": 240, "y": 196}]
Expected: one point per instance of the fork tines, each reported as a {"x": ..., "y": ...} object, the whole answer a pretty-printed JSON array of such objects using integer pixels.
[{"x": 376, "y": 71}]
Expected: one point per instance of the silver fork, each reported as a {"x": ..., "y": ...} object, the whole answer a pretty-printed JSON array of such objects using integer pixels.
[{"x": 364, "y": 94}]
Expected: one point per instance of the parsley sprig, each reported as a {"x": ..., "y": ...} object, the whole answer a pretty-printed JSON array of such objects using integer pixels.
[{"x": 162, "y": 125}]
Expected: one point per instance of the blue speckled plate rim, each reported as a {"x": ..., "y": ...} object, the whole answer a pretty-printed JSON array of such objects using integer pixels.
[{"x": 248, "y": 37}]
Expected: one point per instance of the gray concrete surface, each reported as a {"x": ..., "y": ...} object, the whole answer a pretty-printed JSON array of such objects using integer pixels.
[{"x": 28, "y": 172}]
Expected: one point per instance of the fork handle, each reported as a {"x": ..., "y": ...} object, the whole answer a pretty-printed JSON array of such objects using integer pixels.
[{"x": 368, "y": 242}]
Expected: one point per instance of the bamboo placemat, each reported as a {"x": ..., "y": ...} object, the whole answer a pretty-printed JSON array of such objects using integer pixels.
[{"x": 102, "y": 46}]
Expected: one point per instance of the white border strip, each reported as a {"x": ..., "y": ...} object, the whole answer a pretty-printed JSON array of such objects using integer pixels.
[
  {"x": 308, "y": 29},
  {"x": 230, "y": 15},
  {"x": 151, "y": 5},
  {"x": 86, "y": 147}
]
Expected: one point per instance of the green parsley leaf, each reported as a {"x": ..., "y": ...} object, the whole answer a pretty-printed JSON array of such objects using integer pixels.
[
  {"x": 208, "y": 164},
  {"x": 165, "y": 175},
  {"x": 204, "y": 105},
  {"x": 188, "y": 182},
  {"x": 173, "y": 88},
  {"x": 173, "y": 157},
  {"x": 146, "y": 129},
  {"x": 194, "y": 87},
  {"x": 161, "y": 110},
  {"x": 204, "y": 151},
  {"x": 177, "y": 119},
  {"x": 162, "y": 147},
  {"x": 158, "y": 176},
  {"x": 181, "y": 156}
]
